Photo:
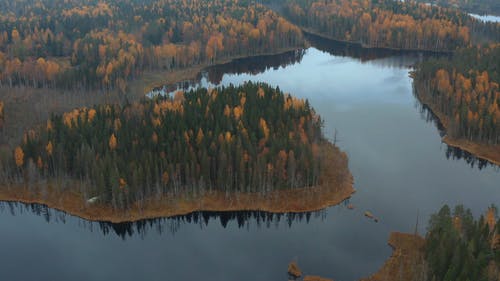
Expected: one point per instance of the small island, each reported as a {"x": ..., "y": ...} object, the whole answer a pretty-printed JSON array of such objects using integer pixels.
[
  {"x": 250, "y": 147},
  {"x": 464, "y": 94}
]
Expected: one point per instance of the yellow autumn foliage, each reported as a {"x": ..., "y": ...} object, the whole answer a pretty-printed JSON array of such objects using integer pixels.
[
  {"x": 49, "y": 148},
  {"x": 112, "y": 142},
  {"x": 199, "y": 136},
  {"x": 91, "y": 115},
  {"x": 19, "y": 156},
  {"x": 122, "y": 183},
  {"x": 39, "y": 163},
  {"x": 165, "y": 177}
]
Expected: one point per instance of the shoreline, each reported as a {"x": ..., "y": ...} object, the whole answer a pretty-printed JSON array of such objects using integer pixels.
[
  {"x": 490, "y": 153},
  {"x": 406, "y": 260},
  {"x": 368, "y": 47},
  {"x": 306, "y": 199},
  {"x": 23, "y": 99},
  {"x": 158, "y": 78}
]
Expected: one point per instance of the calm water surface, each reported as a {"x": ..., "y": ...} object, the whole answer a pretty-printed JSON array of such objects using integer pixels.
[{"x": 399, "y": 164}]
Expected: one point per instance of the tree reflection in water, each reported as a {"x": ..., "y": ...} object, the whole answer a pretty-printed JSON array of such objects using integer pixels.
[
  {"x": 378, "y": 56},
  {"x": 452, "y": 152},
  {"x": 243, "y": 219},
  {"x": 252, "y": 65}
]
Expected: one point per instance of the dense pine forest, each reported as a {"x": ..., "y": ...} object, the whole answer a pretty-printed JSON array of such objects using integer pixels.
[
  {"x": 460, "y": 247},
  {"x": 465, "y": 92},
  {"x": 482, "y": 7},
  {"x": 390, "y": 24},
  {"x": 102, "y": 44},
  {"x": 251, "y": 138}
]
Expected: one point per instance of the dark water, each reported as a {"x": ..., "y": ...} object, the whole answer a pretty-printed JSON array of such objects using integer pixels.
[{"x": 399, "y": 164}]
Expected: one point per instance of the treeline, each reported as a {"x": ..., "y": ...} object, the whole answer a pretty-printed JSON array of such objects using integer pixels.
[
  {"x": 164, "y": 225},
  {"x": 465, "y": 91},
  {"x": 102, "y": 44},
  {"x": 388, "y": 23},
  {"x": 250, "y": 138},
  {"x": 459, "y": 247},
  {"x": 482, "y": 7}
]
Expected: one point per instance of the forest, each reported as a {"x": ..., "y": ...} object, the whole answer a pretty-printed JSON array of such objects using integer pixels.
[
  {"x": 390, "y": 24},
  {"x": 251, "y": 138},
  {"x": 465, "y": 92},
  {"x": 460, "y": 247},
  {"x": 481, "y": 7},
  {"x": 103, "y": 44},
  {"x": 93, "y": 44},
  {"x": 64, "y": 44}
]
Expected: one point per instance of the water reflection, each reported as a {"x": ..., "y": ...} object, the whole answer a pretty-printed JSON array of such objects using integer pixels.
[
  {"x": 377, "y": 56},
  {"x": 395, "y": 156},
  {"x": 260, "y": 65},
  {"x": 212, "y": 76},
  {"x": 243, "y": 219},
  {"x": 452, "y": 152},
  {"x": 253, "y": 65}
]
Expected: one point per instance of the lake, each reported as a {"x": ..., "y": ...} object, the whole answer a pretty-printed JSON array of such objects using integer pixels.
[{"x": 401, "y": 170}]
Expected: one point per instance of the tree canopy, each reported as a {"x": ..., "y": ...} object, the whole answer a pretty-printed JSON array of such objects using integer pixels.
[
  {"x": 388, "y": 23},
  {"x": 251, "y": 138},
  {"x": 460, "y": 247},
  {"x": 465, "y": 90},
  {"x": 101, "y": 44}
]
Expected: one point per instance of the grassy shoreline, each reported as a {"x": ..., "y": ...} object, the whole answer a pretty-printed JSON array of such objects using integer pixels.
[
  {"x": 490, "y": 153},
  {"x": 406, "y": 261},
  {"x": 330, "y": 192}
]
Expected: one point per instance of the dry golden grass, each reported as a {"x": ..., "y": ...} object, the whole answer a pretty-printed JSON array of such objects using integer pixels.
[
  {"x": 483, "y": 151},
  {"x": 294, "y": 270},
  {"x": 407, "y": 259},
  {"x": 316, "y": 278},
  {"x": 336, "y": 178}
]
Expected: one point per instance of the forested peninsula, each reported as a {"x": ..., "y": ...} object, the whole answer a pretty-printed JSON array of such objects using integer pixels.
[
  {"x": 464, "y": 94},
  {"x": 400, "y": 25},
  {"x": 81, "y": 53},
  {"x": 250, "y": 147},
  {"x": 457, "y": 246}
]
